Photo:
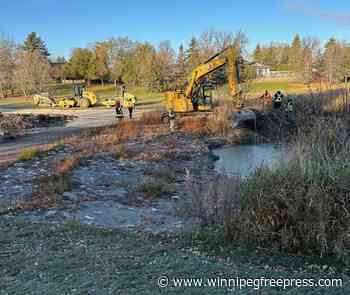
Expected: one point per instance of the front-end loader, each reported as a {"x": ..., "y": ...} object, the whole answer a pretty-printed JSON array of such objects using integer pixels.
[{"x": 83, "y": 98}]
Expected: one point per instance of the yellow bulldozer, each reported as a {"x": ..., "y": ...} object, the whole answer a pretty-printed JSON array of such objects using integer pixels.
[{"x": 194, "y": 96}]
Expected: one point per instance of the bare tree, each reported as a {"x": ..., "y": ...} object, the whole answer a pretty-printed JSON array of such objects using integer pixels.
[
  {"x": 7, "y": 50},
  {"x": 164, "y": 66},
  {"x": 32, "y": 72},
  {"x": 213, "y": 41},
  {"x": 310, "y": 55},
  {"x": 119, "y": 51}
]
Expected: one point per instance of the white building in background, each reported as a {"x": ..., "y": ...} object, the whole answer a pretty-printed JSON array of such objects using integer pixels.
[{"x": 262, "y": 71}]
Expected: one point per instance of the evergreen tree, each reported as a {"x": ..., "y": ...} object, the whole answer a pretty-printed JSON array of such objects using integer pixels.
[
  {"x": 33, "y": 42},
  {"x": 193, "y": 55},
  {"x": 295, "y": 54}
]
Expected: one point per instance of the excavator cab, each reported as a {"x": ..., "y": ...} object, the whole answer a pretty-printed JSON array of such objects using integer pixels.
[{"x": 202, "y": 99}]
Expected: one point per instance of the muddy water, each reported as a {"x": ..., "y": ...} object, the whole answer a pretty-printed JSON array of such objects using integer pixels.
[{"x": 244, "y": 159}]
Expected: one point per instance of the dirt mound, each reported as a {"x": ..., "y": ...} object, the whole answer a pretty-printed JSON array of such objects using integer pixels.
[{"x": 14, "y": 122}]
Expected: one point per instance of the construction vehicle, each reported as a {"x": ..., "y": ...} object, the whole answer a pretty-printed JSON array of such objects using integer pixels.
[
  {"x": 82, "y": 98},
  {"x": 194, "y": 97},
  {"x": 44, "y": 99}
]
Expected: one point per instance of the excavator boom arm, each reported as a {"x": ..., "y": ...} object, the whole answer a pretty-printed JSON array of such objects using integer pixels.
[{"x": 230, "y": 59}]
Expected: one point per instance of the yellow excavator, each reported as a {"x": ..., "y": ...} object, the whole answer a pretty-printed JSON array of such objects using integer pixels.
[{"x": 193, "y": 97}]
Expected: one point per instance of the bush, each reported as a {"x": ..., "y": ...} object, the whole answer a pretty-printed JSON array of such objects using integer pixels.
[
  {"x": 28, "y": 154},
  {"x": 301, "y": 207},
  {"x": 154, "y": 188}
]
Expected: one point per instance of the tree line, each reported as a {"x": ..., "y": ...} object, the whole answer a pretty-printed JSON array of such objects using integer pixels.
[
  {"x": 28, "y": 68},
  {"x": 141, "y": 64},
  {"x": 306, "y": 57},
  {"x": 23, "y": 67}
]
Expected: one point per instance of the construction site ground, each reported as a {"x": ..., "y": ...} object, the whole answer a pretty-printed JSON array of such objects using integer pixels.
[{"x": 81, "y": 119}]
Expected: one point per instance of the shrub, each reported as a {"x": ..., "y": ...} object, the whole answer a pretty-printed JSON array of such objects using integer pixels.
[
  {"x": 151, "y": 117},
  {"x": 164, "y": 173},
  {"x": 67, "y": 164},
  {"x": 49, "y": 191},
  {"x": 301, "y": 207},
  {"x": 28, "y": 154},
  {"x": 219, "y": 122},
  {"x": 153, "y": 188}
]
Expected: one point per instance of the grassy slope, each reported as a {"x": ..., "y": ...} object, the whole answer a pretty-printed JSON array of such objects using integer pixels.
[
  {"x": 74, "y": 259},
  {"x": 287, "y": 86},
  {"x": 257, "y": 88}
]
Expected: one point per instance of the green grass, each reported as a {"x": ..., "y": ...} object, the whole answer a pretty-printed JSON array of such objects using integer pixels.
[
  {"x": 74, "y": 259},
  {"x": 273, "y": 86},
  {"x": 16, "y": 101}
]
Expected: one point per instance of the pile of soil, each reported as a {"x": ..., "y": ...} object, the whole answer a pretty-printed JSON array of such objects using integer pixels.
[{"x": 15, "y": 122}]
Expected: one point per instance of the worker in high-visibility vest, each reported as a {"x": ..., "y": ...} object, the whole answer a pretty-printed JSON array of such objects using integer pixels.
[
  {"x": 119, "y": 111},
  {"x": 129, "y": 103},
  {"x": 277, "y": 99},
  {"x": 290, "y": 105},
  {"x": 290, "y": 112}
]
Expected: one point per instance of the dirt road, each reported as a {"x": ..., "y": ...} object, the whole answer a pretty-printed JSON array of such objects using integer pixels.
[{"x": 84, "y": 118}]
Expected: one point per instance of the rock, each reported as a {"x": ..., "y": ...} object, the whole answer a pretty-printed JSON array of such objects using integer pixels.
[
  {"x": 50, "y": 213},
  {"x": 214, "y": 143},
  {"x": 71, "y": 196},
  {"x": 243, "y": 117}
]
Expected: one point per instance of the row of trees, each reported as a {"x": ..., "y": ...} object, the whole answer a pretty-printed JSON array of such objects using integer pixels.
[
  {"x": 141, "y": 64},
  {"x": 307, "y": 57},
  {"x": 28, "y": 68}
]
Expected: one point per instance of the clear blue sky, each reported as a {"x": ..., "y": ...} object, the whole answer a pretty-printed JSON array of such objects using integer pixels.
[{"x": 65, "y": 24}]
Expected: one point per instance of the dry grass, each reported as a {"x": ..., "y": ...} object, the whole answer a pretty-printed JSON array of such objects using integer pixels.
[
  {"x": 110, "y": 138},
  {"x": 48, "y": 193},
  {"x": 219, "y": 123},
  {"x": 214, "y": 202},
  {"x": 151, "y": 117},
  {"x": 301, "y": 207},
  {"x": 49, "y": 189},
  {"x": 193, "y": 124},
  {"x": 67, "y": 164}
]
